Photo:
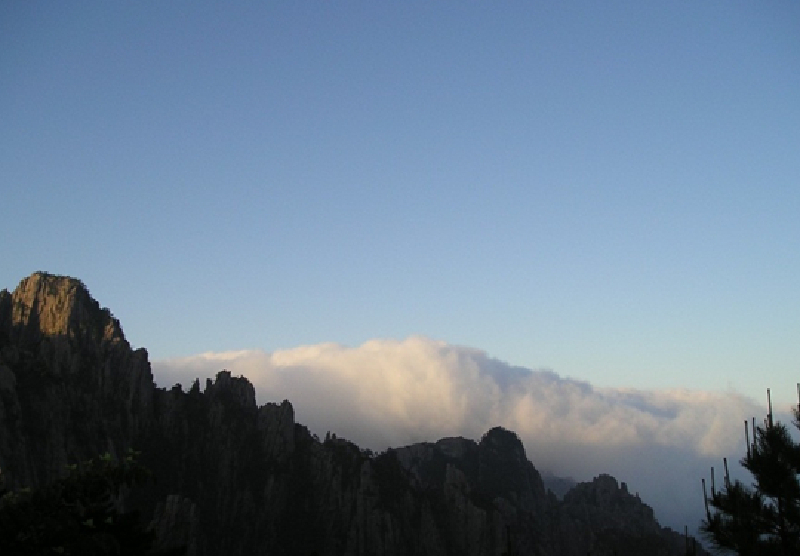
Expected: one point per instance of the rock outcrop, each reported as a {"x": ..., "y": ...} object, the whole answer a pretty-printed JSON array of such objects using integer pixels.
[
  {"x": 235, "y": 478},
  {"x": 71, "y": 387}
]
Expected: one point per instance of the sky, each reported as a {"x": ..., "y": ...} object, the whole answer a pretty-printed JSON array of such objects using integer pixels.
[
  {"x": 423, "y": 219},
  {"x": 605, "y": 190}
]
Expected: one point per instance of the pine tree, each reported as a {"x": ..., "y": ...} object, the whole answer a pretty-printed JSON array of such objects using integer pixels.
[{"x": 762, "y": 519}]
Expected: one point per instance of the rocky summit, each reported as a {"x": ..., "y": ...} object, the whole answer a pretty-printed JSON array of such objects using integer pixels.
[{"x": 235, "y": 478}]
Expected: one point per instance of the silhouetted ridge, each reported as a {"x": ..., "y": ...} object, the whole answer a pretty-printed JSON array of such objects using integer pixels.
[{"x": 235, "y": 478}]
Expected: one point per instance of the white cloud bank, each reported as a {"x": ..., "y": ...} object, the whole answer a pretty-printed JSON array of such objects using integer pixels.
[{"x": 391, "y": 393}]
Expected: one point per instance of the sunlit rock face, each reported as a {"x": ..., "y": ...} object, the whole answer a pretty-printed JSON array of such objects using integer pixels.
[
  {"x": 70, "y": 385},
  {"x": 236, "y": 478}
]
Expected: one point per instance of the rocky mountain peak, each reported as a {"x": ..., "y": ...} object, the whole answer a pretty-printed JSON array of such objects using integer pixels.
[
  {"x": 611, "y": 505},
  {"x": 236, "y": 389},
  {"x": 70, "y": 385},
  {"x": 504, "y": 441},
  {"x": 604, "y": 490},
  {"x": 234, "y": 478},
  {"x": 48, "y": 305}
]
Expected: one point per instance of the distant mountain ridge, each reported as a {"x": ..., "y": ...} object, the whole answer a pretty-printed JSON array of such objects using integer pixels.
[
  {"x": 235, "y": 478},
  {"x": 558, "y": 485}
]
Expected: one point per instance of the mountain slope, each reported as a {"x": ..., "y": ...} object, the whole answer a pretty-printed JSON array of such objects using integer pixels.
[{"x": 235, "y": 478}]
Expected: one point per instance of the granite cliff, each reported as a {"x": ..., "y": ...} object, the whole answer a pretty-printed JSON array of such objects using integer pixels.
[{"x": 236, "y": 478}]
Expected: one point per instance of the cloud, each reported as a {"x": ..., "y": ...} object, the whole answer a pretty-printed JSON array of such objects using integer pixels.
[{"x": 391, "y": 393}]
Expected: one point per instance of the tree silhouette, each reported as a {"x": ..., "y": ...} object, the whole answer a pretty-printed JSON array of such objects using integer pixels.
[
  {"x": 762, "y": 519},
  {"x": 79, "y": 514}
]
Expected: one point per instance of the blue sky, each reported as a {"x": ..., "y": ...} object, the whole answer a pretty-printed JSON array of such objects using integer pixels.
[{"x": 609, "y": 190}]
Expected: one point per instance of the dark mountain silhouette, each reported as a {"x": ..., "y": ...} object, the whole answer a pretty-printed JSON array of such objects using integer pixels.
[{"x": 235, "y": 478}]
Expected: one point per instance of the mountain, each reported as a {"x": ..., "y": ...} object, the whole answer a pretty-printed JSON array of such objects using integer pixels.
[
  {"x": 557, "y": 485},
  {"x": 236, "y": 478}
]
